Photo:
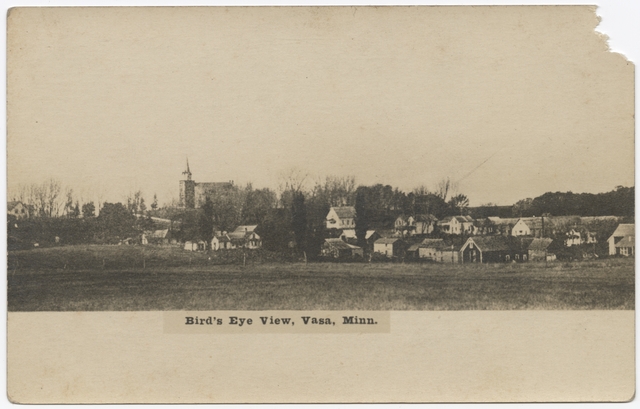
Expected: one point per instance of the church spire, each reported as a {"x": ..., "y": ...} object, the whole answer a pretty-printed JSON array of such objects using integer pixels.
[{"x": 187, "y": 172}]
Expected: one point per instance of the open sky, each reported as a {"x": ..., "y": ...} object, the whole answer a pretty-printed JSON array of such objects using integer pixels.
[{"x": 508, "y": 102}]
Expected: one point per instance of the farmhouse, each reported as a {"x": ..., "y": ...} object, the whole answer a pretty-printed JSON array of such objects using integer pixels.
[
  {"x": 483, "y": 227},
  {"x": 245, "y": 236},
  {"x": 503, "y": 226},
  {"x": 573, "y": 238},
  {"x": 456, "y": 225},
  {"x": 220, "y": 241},
  {"x": 389, "y": 247},
  {"x": 342, "y": 217},
  {"x": 17, "y": 209},
  {"x": 404, "y": 223},
  {"x": 337, "y": 248},
  {"x": 622, "y": 241},
  {"x": 424, "y": 224}
]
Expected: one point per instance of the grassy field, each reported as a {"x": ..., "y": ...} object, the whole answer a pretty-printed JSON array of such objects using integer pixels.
[{"x": 112, "y": 278}]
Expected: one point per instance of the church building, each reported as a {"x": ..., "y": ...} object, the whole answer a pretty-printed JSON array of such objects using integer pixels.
[{"x": 193, "y": 195}]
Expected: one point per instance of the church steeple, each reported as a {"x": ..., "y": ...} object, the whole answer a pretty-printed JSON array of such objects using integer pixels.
[{"x": 187, "y": 172}]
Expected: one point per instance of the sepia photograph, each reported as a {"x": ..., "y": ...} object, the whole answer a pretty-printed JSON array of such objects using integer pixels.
[{"x": 250, "y": 168}]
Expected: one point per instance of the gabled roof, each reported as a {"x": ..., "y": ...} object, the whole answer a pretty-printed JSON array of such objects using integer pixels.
[
  {"x": 540, "y": 244},
  {"x": 624, "y": 229},
  {"x": 223, "y": 238},
  {"x": 501, "y": 221},
  {"x": 464, "y": 219},
  {"x": 160, "y": 234},
  {"x": 349, "y": 233},
  {"x": 387, "y": 240},
  {"x": 447, "y": 219},
  {"x": 627, "y": 241},
  {"x": 12, "y": 205},
  {"x": 491, "y": 243},
  {"x": 345, "y": 212},
  {"x": 414, "y": 247},
  {"x": 245, "y": 228},
  {"x": 339, "y": 244},
  {"x": 433, "y": 243},
  {"x": 369, "y": 234},
  {"x": 428, "y": 218}
]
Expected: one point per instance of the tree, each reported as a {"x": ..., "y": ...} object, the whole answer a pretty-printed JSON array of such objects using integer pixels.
[
  {"x": 206, "y": 221},
  {"x": 362, "y": 221},
  {"x": 68, "y": 205},
  {"x": 257, "y": 204},
  {"x": 459, "y": 204},
  {"x": 154, "y": 204},
  {"x": 88, "y": 210},
  {"x": 299, "y": 220},
  {"x": 116, "y": 222},
  {"x": 443, "y": 188}
]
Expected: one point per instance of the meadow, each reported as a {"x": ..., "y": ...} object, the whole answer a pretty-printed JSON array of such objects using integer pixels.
[{"x": 136, "y": 278}]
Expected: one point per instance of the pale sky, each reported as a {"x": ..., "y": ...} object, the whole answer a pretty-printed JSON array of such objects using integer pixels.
[{"x": 115, "y": 100}]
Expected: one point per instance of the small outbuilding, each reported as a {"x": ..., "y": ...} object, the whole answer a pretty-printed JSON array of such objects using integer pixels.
[
  {"x": 389, "y": 247},
  {"x": 337, "y": 248}
]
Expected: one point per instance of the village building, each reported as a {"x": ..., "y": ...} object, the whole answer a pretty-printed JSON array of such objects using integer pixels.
[
  {"x": 349, "y": 235},
  {"x": 520, "y": 229},
  {"x": 389, "y": 247},
  {"x": 342, "y": 217},
  {"x": 539, "y": 250},
  {"x": 622, "y": 241},
  {"x": 483, "y": 227},
  {"x": 495, "y": 249},
  {"x": 18, "y": 209},
  {"x": 503, "y": 226},
  {"x": 158, "y": 237},
  {"x": 193, "y": 195},
  {"x": 196, "y": 245},
  {"x": 337, "y": 248},
  {"x": 220, "y": 241},
  {"x": 404, "y": 223},
  {"x": 456, "y": 225},
  {"x": 424, "y": 224},
  {"x": 246, "y": 236},
  {"x": 439, "y": 251},
  {"x": 572, "y": 238}
]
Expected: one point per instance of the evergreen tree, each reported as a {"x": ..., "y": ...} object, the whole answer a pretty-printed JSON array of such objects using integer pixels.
[
  {"x": 299, "y": 220},
  {"x": 362, "y": 222}
]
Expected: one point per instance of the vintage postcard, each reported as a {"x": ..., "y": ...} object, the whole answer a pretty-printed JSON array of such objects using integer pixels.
[{"x": 319, "y": 204}]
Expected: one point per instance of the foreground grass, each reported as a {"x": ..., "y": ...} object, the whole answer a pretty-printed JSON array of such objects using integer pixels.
[{"x": 603, "y": 284}]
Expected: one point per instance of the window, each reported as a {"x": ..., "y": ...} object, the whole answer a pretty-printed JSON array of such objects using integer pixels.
[
  {"x": 517, "y": 256},
  {"x": 507, "y": 258}
]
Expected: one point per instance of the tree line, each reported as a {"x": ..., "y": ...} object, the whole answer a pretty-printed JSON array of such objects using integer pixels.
[{"x": 291, "y": 219}]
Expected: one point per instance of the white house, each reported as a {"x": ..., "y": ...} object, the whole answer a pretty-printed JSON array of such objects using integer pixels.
[
  {"x": 245, "y": 236},
  {"x": 195, "y": 245},
  {"x": 220, "y": 241},
  {"x": 343, "y": 217},
  {"x": 622, "y": 241},
  {"x": 389, "y": 246},
  {"x": 456, "y": 225},
  {"x": 17, "y": 209},
  {"x": 521, "y": 228},
  {"x": 573, "y": 238}
]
